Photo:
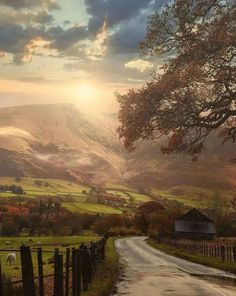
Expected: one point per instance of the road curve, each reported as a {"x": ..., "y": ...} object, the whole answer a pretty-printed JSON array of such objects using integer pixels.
[{"x": 149, "y": 272}]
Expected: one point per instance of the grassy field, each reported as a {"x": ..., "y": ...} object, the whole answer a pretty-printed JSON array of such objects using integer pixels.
[
  {"x": 122, "y": 194},
  {"x": 140, "y": 197},
  {"x": 192, "y": 196},
  {"x": 71, "y": 190},
  {"x": 118, "y": 187},
  {"x": 54, "y": 186},
  {"x": 90, "y": 208},
  {"x": 48, "y": 244}
]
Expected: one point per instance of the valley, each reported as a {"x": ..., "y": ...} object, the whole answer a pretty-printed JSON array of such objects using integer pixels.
[{"x": 107, "y": 199}]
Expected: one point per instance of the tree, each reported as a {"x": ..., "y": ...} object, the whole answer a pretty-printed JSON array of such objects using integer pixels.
[
  {"x": 144, "y": 211},
  {"x": 196, "y": 93},
  {"x": 216, "y": 206},
  {"x": 9, "y": 227},
  {"x": 163, "y": 222}
]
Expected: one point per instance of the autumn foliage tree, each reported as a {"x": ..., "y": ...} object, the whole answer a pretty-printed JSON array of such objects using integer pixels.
[
  {"x": 196, "y": 93},
  {"x": 143, "y": 213}
]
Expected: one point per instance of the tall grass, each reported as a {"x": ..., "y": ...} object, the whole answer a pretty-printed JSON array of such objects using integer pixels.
[{"x": 107, "y": 274}]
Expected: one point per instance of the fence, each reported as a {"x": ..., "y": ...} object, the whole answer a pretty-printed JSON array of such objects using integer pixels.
[
  {"x": 212, "y": 250},
  {"x": 71, "y": 276}
]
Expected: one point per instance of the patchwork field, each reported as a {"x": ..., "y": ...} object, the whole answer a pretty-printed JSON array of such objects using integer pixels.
[
  {"x": 50, "y": 187},
  {"x": 75, "y": 196},
  {"x": 91, "y": 208}
]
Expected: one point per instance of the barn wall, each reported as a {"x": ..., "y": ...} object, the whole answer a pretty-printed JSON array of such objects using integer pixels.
[{"x": 195, "y": 227}]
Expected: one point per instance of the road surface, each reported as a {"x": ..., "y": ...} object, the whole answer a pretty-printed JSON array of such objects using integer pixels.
[{"x": 149, "y": 272}]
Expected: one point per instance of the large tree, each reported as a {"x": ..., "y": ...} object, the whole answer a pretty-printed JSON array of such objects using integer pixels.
[{"x": 195, "y": 94}]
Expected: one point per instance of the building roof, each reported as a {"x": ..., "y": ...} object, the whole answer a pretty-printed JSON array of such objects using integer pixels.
[{"x": 194, "y": 215}]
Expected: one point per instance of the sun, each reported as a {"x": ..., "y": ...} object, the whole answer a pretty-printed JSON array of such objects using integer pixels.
[
  {"x": 86, "y": 91},
  {"x": 87, "y": 94}
]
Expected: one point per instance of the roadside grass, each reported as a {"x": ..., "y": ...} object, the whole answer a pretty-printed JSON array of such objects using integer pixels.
[
  {"x": 211, "y": 262},
  {"x": 49, "y": 243},
  {"x": 107, "y": 274}
]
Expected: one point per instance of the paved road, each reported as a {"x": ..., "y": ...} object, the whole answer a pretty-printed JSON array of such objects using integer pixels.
[{"x": 149, "y": 272}]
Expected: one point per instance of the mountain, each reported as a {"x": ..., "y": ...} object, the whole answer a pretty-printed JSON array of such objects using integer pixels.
[
  {"x": 57, "y": 141},
  {"x": 61, "y": 141}
]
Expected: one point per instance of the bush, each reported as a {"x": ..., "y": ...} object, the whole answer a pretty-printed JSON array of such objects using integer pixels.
[{"x": 124, "y": 231}]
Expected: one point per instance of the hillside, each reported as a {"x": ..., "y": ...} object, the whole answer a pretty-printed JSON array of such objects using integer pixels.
[{"x": 59, "y": 141}]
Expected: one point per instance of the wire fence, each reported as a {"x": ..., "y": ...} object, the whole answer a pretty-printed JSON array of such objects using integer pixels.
[
  {"x": 212, "y": 250},
  {"x": 73, "y": 270}
]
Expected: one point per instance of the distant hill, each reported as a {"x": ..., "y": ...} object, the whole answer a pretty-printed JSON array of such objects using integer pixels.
[{"x": 62, "y": 142}]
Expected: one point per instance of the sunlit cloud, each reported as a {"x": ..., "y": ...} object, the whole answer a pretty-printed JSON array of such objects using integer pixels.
[
  {"x": 140, "y": 65},
  {"x": 99, "y": 44}
]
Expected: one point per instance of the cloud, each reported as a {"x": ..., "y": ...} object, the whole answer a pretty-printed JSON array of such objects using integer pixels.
[
  {"x": 19, "y": 4},
  {"x": 126, "y": 39},
  {"x": 26, "y": 18},
  {"x": 15, "y": 37},
  {"x": 63, "y": 39},
  {"x": 22, "y": 40},
  {"x": 111, "y": 69},
  {"x": 115, "y": 28},
  {"x": 139, "y": 64},
  {"x": 115, "y": 11}
]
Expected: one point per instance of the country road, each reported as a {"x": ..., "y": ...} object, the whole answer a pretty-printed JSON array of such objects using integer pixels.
[{"x": 149, "y": 272}]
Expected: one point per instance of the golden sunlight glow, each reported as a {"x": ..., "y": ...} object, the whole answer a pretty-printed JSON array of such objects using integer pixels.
[
  {"x": 86, "y": 91},
  {"x": 94, "y": 96}
]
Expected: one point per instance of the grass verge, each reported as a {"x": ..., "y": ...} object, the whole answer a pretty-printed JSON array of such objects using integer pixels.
[
  {"x": 211, "y": 262},
  {"x": 107, "y": 274}
]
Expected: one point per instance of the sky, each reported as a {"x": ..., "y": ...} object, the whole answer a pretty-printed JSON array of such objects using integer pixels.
[{"x": 75, "y": 51}]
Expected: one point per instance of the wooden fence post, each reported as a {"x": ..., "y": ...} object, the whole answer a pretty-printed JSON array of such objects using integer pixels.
[
  {"x": 103, "y": 249},
  {"x": 67, "y": 281},
  {"x": 76, "y": 271},
  {"x": 79, "y": 271},
  {"x": 222, "y": 252},
  {"x": 84, "y": 267},
  {"x": 1, "y": 280},
  {"x": 234, "y": 254},
  {"x": 58, "y": 272},
  {"x": 55, "y": 255},
  {"x": 40, "y": 272},
  {"x": 27, "y": 271}
]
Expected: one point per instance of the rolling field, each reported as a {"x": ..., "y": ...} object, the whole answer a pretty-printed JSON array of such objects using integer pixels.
[
  {"x": 192, "y": 196},
  {"x": 48, "y": 244},
  {"x": 140, "y": 197},
  {"x": 91, "y": 208},
  {"x": 54, "y": 186},
  {"x": 74, "y": 195}
]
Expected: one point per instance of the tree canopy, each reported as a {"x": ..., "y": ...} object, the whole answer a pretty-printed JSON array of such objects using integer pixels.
[{"x": 195, "y": 94}]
